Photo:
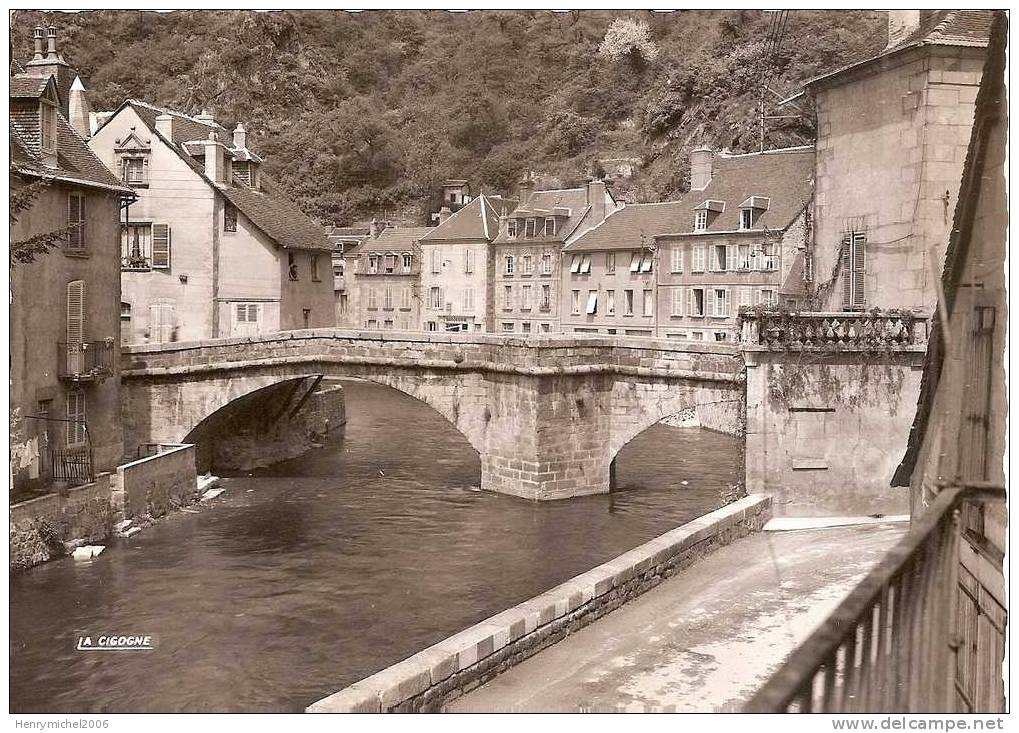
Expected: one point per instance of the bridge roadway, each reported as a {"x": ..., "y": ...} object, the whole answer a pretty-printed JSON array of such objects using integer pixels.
[{"x": 547, "y": 414}]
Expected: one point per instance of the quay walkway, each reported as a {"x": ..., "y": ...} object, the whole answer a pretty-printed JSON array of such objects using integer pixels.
[{"x": 701, "y": 641}]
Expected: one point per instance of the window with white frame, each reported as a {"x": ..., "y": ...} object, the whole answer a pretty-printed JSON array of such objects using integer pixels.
[
  {"x": 677, "y": 301},
  {"x": 746, "y": 218},
  {"x": 527, "y": 264},
  {"x": 610, "y": 302},
  {"x": 507, "y": 297},
  {"x": 647, "y": 260},
  {"x": 525, "y": 298},
  {"x": 511, "y": 228},
  {"x": 546, "y": 297},
  {"x": 132, "y": 171},
  {"x": 765, "y": 296},
  {"x": 530, "y": 228},
  {"x": 549, "y": 227},
  {"x": 435, "y": 298},
  {"x": 405, "y": 298},
  {"x": 408, "y": 263},
  {"x": 721, "y": 302},
  {"x": 635, "y": 259},
  {"x": 576, "y": 302},
  {"x": 698, "y": 258},
  {"x": 700, "y": 220},
  {"x": 436, "y": 260},
  {"x": 509, "y": 264},
  {"x": 696, "y": 303},
  {"x": 575, "y": 263},
  {"x": 627, "y": 302},
  {"x": 507, "y": 327},
  {"x": 745, "y": 298},
  {"x": 468, "y": 299},
  {"x": 76, "y": 431},
  {"x": 546, "y": 264},
  {"x": 585, "y": 264},
  {"x": 373, "y": 264},
  {"x": 592, "y": 302},
  {"x": 676, "y": 258},
  {"x": 76, "y": 221},
  {"x": 649, "y": 302},
  {"x": 136, "y": 246},
  {"x": 718, "y": 258},
  {"x": 610, "y": 263},
  {"x": 373, "y": 299},
  {"x": 525, "y": 327},
  {"x": 387, "y": 298}
]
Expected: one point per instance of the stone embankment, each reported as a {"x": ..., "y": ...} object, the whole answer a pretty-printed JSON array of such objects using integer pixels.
[{"x": 445, "y": 671}]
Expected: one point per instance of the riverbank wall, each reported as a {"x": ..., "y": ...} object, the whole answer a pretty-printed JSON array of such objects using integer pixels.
[
  {"x": 156, "y": 485},
  {"x": 444, "y": 671}
]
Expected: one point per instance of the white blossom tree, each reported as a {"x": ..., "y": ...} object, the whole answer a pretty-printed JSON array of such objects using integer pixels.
[{"x": 628, "y": 38}]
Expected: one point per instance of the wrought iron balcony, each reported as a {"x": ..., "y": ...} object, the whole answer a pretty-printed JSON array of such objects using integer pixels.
[
  {"x": 73, "y": 465},
  {"x": 775, "y": 328},
  {"x": 85, "y": 361}
]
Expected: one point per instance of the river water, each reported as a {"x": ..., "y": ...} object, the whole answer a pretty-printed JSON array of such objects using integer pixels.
[{"x": 307, "y": 576}]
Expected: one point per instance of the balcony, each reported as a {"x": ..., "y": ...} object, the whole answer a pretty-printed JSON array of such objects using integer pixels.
[
  {"x": 135, "y": 263},
  {"x": 72, "y": 465},
  {"x": 86, "y": 361},
  {"x": 777, "y": 329}
]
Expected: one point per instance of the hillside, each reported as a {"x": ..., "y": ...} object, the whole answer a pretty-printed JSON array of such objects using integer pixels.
[{"x": 363, "y": 113}]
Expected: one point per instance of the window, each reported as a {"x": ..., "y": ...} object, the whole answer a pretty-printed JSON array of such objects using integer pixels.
[
  {"x": 525, "y": 298},
  {"x": 746, "y": 218},
  {"x": 769, "y": 261},
  {"x": 76, "y": 431},
  {"x": 592, "y": 302},
  {"x": 387, "y": 298},
  {"x": 528, "y": 265},
  {"x": 405, "y": 298},
  {"x": 576, "y": 301},
  {"x": 585, "y": 264},
  {"x": 635, "y": 262},
  {"x": 76, "y": 221},
  {"x": 743, "y": 257},
  {"x": 306, "y": 315},
  {"x": 48, "y": 126},
  {"x": 511, "y": 228},
  {"x": 853, "y": 271},
  {"x": 610, "y": 302},
  {"x": 718, "y": 258},
  {"x": 744, "y": 298},
  {"x": 766, "y": 296},
  {"x": 468, "y": 261},
  {"x": 525, "y": 326},
  {"x": 161, "y": 246},
  {"x": 125, "y": 322},
  {"x": 677, "y": 301},
  {"x": 373, "y": 299},
  {"x": 530, "y": 228},
  {"x": 292, "y": 266},
  {"x": 696, "y": 302},
  {"x": 507, "y": 297},
  {"x": 546, "y": 264},
  {"x": 247, "y": 317},
  {"x": 133, "y": 170},
  {"x": 676, "y": 258},
  {"x": 646, "y": 262},
  {"x": 649, "y": 302},
  {"x": 75, "y": 310},
  {"x": 136, "y": 246},
  {"x": 431, "y": 326},
  {"x": 549, "y": 227},
  {"x": 721, "y": 302},
  {"x": 575, "y": 264},
  {"x": 510, "y": 264},
  {"x": 436, "y": 261},
  {"x": 546, "y": 297},
  {"x": 546, "y": 328},
  {"x": 229, "y": 218},
  {"x": 162, "y": 321},
  {"x": 700, "y": 221},
  {"x": 344, "y": 304},
  {"x": 698, "y": 258},
  {"x": 610, "y": 263},
  {"x": 373, "y": 264},
  {"x": 314, "y": 268},
  {"x": 627, "y": 302},
  {"x": 507, "y": 327},
  {"x": 468, "y": 299},
  {"x": 390, "y": 264},
  {"x": 371, "y": 323},
  {"x": 387, "y": 323},
  {"x": 408, "y": 262},
  {"x": 434, "y": 298},
  {"x": 697, "y": 335},
  {"x": 721, "y": 336},
  {"x": 681, "y": 335}
]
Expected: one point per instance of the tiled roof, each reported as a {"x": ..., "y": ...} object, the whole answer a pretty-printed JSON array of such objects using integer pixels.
[
  {"x": 278, "y": 217},
  {"x": 349, "y": 232},
  {"x": 477, "y": 220},
  {"x": 541, "y": 203},
  {"x": 28, "y": 87},
  {"x": 185, "y": 127},
  {"x": 395, "y": 239},
  {"x": 941, "y": 28},
  {"x": 786, "y": 176},
  {"x": 634, "y": 225}
]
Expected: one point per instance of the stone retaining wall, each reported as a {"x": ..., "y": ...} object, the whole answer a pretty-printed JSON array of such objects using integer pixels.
[
  {"x": 431, "y": 678},
  {"x": 40, "y": 527},
  {"x": 159, "y": 484}
]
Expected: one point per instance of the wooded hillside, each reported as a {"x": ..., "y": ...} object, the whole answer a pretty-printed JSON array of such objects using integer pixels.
[{"x": 363, "y": 113}]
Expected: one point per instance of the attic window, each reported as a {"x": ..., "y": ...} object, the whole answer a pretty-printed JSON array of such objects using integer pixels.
[
  {"x": 511, "y": 228},
  {"x": 229, "y": 218},
  {"x": 700, "y": 220},
  {"x": 746, "y": 218},
  {"x": 133, "y": 170},
  {"x": 550, "y": 227},
  {"x": 48, "y": 126},
  {"x": 530, "y": 228}
]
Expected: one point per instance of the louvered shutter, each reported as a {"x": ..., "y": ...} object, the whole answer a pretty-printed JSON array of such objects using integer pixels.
[
  {"x": 859, "y": 270},
  {"x": 847, "y": 273},
  {"x": 75, "y": 238},
  {"x": 728, "y": 302},
  {"x": 160, "y": 246},
  {"x": 76, "y": 311},
  {"x": 677, "y": 301},
  {"x": 691, "y": 301},
  {"x": 730, "y": 257}
]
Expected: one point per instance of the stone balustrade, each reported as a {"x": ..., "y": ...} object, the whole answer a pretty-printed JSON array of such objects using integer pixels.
[{"x": 783, "y": 330}]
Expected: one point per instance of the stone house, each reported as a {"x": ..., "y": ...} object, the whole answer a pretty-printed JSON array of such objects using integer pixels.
[
  {"x": 528, "y": 252},
  {"x": 891, "y": 140},
  {"x": 64, "y": 307},
  {"x": 741, "y": 242},
  {"x": 609, "y": 272},
  {"x": 211, "y": 248},
  {"x": 457, "y": 266},
  {"x": 387, "y": 279},
  {"x": 344, "y": 242}
]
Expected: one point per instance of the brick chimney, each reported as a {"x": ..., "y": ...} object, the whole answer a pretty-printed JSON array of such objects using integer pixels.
[
  {"x": 700, "y": 168},
  {"x": 214, "y": 166},
  {"x": 48, "y": 62},
  {"x": 164, "y": 126},
  {"x": 79, "y": 109},
  {"x": 596, "y": 199},
  {"x": 900, "y": 24}
]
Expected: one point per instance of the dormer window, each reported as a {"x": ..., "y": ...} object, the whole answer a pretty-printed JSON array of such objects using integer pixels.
[
  {"x": 531, "y": 228},
  {"x": 705, "y": 213},
  {"x": 549, "y": 227},
  {"x": 746, "y": 218},
  {"x": 700, "y": 221},
  {"x": 751, "y": 210},
  {"x": 511, "y": 228},
  {"x": 48, "y": 126}
]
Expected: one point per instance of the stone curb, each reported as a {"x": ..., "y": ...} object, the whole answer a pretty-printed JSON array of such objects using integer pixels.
[{"x": 465, "y": 651}]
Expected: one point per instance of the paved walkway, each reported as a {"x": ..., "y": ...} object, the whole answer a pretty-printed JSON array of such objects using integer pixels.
[{"x": 704, "y": 640}]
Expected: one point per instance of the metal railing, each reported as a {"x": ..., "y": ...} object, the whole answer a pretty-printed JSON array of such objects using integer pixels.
[
  {"x": 783, "y": 329},
  {"x": 85, "y": 360},
  {"x": 903, "y": 640},
  {"x": 73, "y": 465}
]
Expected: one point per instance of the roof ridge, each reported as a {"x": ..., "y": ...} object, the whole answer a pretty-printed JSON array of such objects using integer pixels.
[
  {"x": 169, "y": 111},
  {"x": 942, "y": 26}
]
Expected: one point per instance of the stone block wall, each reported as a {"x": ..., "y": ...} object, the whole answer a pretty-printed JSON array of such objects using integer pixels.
[
  {"x": 157, "y": 485},
  {"x": 439, "y": 674},
  {"x": 40, "y": 527}
]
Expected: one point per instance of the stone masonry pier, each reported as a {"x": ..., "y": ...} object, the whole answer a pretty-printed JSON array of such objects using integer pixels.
[{"x": 547, "y": 414}]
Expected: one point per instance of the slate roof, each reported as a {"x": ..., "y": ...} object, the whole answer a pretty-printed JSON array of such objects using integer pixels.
[
  {"x": 941, "y": 28},
  {"x": 395, "y": 239},
  {"x": 185, "y": 127},
  {"x": 477, "y": 220},
  {"x": 28, "y": 87},
  {"x": 633, "y": 226},
  {"x": 349, "y": 232},
  {"x": 786, "y": 176},
  {"x": 540, "y": 204}
]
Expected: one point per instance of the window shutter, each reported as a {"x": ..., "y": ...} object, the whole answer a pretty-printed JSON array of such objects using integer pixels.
[
  {"x": 709, "y": 302},
  {"x": 442, "y": 299},
  {"x": 728, "y": 302},
  {"x": 75, "y": 311},
  {"x": 691, "y": 305},
  {"x": 73, "y": 218},
  {"x": 677, "y": 301},
  {"x": 859, "y": 270},
  {"x": 847, "y": 274},
  {"x": 161, "y": 245},
  {"x": 730, "y": 257}
]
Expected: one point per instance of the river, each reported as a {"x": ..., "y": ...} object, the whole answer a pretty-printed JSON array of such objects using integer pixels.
[{"x": 307, "y": 576}]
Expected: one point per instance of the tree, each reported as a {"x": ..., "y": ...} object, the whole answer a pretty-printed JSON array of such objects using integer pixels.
[
  {"x": 24, "y": 251},
  {"x": 629, "y": 39}
]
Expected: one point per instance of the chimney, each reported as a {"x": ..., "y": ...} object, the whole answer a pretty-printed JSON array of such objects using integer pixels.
[
  {"x": 37, "y": 35},
  {"x": 444, "y": 214},
  {"x": 525, "y": 190},
  {"x": 900, "y": 24},
  {"x": 79, "y": 109},
  {"x": 373, "y": 229},
  {"x": 207, "y": 117},
  {"x": 164, "y": 126},
  {"x": 214, "y": 167},
  {"x": 700, "y": 168},
  {"x": 51, "y": 44},
  {"x": 240, "y": 137},
  {"x": 596, "y": 199}
]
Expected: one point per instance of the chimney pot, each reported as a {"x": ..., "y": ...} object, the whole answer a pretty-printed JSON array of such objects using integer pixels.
[
  {"x": 164, "y": 126},
  {"x": 215, "y": 167},
  {"x": 51, "y": 42},
  {"x": 700, "y": 168},
  {"x": 240, "y": 137},
  {"x": 37, "y": 38}
]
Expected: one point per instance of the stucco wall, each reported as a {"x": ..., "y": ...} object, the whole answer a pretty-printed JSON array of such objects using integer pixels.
[
  {"x": 159, "y": 484},
  {"x": 454, "y": 280},
  {"x": 515, "y": 315},
  {"x": 601, "y": 280}
]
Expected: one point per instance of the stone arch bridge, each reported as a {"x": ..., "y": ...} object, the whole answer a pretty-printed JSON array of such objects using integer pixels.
[{"x": 547, "y": 415}]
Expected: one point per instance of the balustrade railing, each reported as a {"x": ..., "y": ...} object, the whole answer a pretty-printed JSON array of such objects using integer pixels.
[
  {"x": 908, "y": 638},
  {"x": 85, "y": 360},
  {"x": 783, "y": 329}
]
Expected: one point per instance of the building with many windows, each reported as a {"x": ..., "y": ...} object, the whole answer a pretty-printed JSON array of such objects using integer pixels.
[
  {"x": 211, "y": 248},
  {"x": 528, "y": 253},
  {"x": 742, "y": 243},
  {"x": 345, "y": 242},
  {"x": 387, "y": 279},
  {"x": 457, "y": 267}
]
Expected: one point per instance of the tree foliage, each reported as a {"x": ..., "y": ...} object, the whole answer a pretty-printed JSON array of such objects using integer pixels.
[{"x": 359, "y": 113}]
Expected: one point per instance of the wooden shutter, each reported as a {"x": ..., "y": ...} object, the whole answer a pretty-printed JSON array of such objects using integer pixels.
[
  {"x": 728, "y": 302},
  {"x": 691, "y": 302},
  {"x": 75, "y": 214},
  {"x": 859, "y": 270},
  {"x": 161, "y": 246},
  {"x": 847, "y": 273},
  {"x": 677, "y": 301},
  {"x": 730, "y": 257},
  {"x": 76, "y": 311}
]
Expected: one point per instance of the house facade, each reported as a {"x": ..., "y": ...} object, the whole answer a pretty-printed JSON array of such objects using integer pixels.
[
  {"x": 525, "y": 286},
  {"x": 344, "y": 242},
  {"x": 211, "y": 249},
  {"x": 64, "y": 308},
  {"x": 892, "y": 133},
  {"x": 742, "y": 243},
  {"x": 457, "y": 267},
  {"x": 387, "y": 279}
]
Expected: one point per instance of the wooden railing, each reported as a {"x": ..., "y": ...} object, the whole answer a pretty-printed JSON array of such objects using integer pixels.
[
  {"x": 85, "y": 360},
  {"x": 783, "y": 329},
  {"x": 904, "y": 640}
]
